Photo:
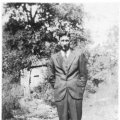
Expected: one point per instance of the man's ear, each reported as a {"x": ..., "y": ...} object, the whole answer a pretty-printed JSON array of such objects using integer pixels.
[{"x": 58, "y": 42}]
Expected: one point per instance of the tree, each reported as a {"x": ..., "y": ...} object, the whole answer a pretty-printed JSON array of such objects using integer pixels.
[
  {"x": 29, "y": 31},
  {"x": 29, "y": 15}
]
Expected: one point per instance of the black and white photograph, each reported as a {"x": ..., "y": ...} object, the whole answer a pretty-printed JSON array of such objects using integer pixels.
[{"x": 60, "y": 60}]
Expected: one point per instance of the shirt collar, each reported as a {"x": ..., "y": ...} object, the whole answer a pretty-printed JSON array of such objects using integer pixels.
[{"x": 67, "y": 53}]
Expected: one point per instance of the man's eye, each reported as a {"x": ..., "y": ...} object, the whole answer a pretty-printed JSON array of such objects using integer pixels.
[{"x": 67, "y": 40}]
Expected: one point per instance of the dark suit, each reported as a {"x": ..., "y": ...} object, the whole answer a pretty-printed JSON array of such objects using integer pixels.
[{"x": 68, "y": 79}]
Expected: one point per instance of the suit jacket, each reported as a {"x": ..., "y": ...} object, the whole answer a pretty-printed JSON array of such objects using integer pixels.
[{"x": 68, "y": 76}]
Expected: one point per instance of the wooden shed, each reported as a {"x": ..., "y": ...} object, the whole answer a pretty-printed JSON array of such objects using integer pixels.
[{"x": 34, "y": 76}]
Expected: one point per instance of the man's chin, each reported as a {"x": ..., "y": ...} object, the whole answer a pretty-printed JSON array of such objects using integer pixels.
[{"x": 65, "y": 48}]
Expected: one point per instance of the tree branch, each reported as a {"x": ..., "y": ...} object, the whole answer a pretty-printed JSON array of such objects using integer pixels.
[
  {"x": 25, "y": 8},
  {"x": 35, "y": 14},
  {"x": 31, "y": 12}
]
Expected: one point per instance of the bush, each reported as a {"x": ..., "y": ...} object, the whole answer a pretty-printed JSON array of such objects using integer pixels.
[
  {"x": 10, "y": 96},
  {"x": 44, "y": 92}
]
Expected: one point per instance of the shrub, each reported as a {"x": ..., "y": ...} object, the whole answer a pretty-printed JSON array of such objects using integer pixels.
[{"x": 10, "y": 96}]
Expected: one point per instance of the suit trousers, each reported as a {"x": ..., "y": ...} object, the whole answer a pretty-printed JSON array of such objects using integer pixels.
[{"x": 69, "y": 108}]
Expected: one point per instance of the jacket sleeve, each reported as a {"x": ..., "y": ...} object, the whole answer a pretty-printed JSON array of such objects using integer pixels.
[
  {"x": 83, "y": 70},
  {"x": 51, "y": 72}
]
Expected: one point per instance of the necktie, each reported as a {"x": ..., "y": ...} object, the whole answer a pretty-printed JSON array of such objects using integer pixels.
[{"x": 65, "y": 55}]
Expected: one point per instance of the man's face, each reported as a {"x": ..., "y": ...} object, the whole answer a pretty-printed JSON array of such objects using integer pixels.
[{"x": 65, "y": 43}]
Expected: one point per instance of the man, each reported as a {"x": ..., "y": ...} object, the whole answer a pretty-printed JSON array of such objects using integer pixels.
[{"x": 68, "y": 75}]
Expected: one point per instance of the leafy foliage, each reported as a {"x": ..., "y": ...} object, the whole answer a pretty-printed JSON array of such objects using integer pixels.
[
  {"x": 11, "y": 94},
  {"x": 23, "y": 14},
  {"x": 104, "y": 59},
  {"x": 37, "y": 32}
]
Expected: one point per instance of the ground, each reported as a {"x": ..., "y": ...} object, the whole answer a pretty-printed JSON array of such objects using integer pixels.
[{"x": 99, "y": 106}]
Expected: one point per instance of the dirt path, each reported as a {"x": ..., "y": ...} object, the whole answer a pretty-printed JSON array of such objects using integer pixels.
[
  {"x": 104, "y": 109},
  {"x": 102, "y": 105}
]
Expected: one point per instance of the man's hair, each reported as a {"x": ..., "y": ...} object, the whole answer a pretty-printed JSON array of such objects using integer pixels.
[{"x": 63, "y": 33}]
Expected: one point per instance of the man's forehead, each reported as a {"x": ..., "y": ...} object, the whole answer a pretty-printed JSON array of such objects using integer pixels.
[{"x": 64, "y": 38}]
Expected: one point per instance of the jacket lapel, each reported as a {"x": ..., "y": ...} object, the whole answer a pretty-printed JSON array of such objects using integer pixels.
[
  {"x": 59, "y": 59},
  {"x": 71, "y": 59}
]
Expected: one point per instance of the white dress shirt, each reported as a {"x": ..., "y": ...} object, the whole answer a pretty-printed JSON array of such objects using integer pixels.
[{"x": 67, "y": 53}]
